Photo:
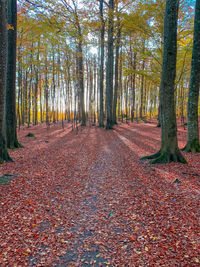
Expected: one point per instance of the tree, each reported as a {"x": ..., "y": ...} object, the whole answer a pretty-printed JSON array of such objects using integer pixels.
[
  {"x": 101, "y": 87},
  {"x": 116, "y": 86},
  {"x": 169, "y": 144},
  {"x": 3, "y": 69},
  {"x": 193, "y": 144},
  {"x": 109, "y": 68},
  {"x": 11, "y": 133}
]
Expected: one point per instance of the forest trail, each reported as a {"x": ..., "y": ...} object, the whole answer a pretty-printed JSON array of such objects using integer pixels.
[{"x": 88, "y": 200}]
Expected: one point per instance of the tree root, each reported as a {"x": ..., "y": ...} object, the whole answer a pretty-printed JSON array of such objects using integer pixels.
[
  {"x": 109, "y": 127},
  {"x": 156, "y": 155},
  {"x": 166, "y": 157},
  {"x": 5, "y": 156},
  {"x": 15, "y": 144},
  {"x": 193, "y": 147}
]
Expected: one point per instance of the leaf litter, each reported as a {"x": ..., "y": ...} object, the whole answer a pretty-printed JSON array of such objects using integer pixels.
[{"x": 88, "y": 200}]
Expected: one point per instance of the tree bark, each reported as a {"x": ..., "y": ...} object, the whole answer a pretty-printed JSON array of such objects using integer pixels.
[
  {"x": 193, "y": 144},
  {"x": 169, "y": 144},
  {"x": 116, "y": 88},
  {"x": 101, "y": 88},
  {"x": 142, "y": 91},
  {"x": 133, "y": 85},
  {"x": 11, "y": 123},
  {"x": 81, "y": 79},
  {"x": 3, "y": 71},
  {"x": 109, "y": 69}
]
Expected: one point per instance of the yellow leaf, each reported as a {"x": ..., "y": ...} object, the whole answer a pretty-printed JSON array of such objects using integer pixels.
[
  {"x": 146, "y": 249},
  {"x": 10, "y": 27}
]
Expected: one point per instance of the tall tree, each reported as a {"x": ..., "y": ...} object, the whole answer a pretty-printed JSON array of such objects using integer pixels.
[
  {"x": 101, "y": 80},
  {"x": 116, "y": 86},
  {"x": 169, "y": 144},
  {"x": 11, "y": 132},
  {"x": 109, "y": 68},
  {"x": 193, "y": 144},
  {"x": 3, "y": 70}
]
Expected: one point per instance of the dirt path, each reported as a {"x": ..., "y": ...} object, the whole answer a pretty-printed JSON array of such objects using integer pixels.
[{"x": 87, "y": 200}]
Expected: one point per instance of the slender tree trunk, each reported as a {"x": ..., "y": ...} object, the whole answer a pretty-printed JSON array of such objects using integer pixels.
[
  {"x": 101, "y": 88},
  {"x": 11, "y": 123},
  {"x": 109, "y": 69},
  {"x": 142, "y": 87},
  {"x": 46, "y": 93},
  {"x": 169, "y": 144},
  {"x": 116, "y": 74},
  {"x": 193, "y": 144},
  {"x": 133, "y": 86},
  {"x": 3, "y": 71},
  {"x": 36, "y": 86},
  {"x": 81, "y": 80}
]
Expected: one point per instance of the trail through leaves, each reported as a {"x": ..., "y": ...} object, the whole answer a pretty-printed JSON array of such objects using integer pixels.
[{"x": 88, "y": 200}]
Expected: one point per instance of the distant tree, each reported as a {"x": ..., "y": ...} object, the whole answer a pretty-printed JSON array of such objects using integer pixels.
[
  {"x": 169, "y": 144},
  {"x": 193, "y": 144},
  {"x": 3, "y": 69},
  {"x": 11, "y": 133}
]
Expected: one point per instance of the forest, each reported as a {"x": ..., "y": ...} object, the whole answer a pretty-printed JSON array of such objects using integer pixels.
[{"x": 99, "y": 133}]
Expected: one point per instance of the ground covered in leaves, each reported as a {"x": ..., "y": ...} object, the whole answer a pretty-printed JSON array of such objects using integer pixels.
[{"x": 87, "y": 199}]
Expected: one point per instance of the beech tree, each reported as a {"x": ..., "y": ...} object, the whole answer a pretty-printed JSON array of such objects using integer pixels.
[
  {"x": 169, "y": 144},
  {"x": 109, "y": 67},
  {"x": 11, "y": 133},
  {"x": 101, "y": 81},
  {"x": 3, "y": 70},
  {"x": 193, "y": 144},
  {"x": 116, "y": 86}
]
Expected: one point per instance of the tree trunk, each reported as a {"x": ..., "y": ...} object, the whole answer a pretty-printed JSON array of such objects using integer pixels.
[
  {"x": 169, "y": 144},
  {"x": 133, "y": 86},
  {"x": 116, "y": 73},
  {"x": 109, "y": 69},
  {"x": 193, "y": 144},
  {"x": 46, "y": 92},
  {"x": 3, "y": 71},
  {"x": 101, "y": 118},
  {"x": 142, "y": 91},
  {"x": 81, "y": 80},
  {"x": 11, "y": 123}
]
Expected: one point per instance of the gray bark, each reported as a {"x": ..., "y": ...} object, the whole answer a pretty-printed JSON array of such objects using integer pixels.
[
  {"x": 193, "y": 125},
  {"x": 101, "y": 88},
  {"x": 116, "y": 88},
  {"x": 109, "y": 69},
  {"x": 3, "y": 71},
  {"x": 169, "y": 144},
  {"x": 11, "y": 122}
]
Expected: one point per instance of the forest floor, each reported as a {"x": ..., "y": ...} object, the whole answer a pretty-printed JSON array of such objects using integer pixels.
[{"x": 87, "y": 199}]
